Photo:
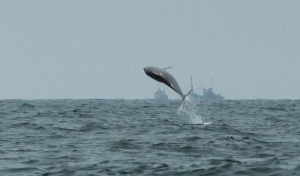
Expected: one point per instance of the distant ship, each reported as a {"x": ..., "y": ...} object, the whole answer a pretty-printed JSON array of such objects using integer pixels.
[
  {"x": 208, "y": 94},
  {"x": 160, "y": 95}
]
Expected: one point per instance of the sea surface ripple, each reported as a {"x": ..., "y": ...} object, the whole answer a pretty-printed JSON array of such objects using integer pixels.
[{"x": 147, "y": 137}]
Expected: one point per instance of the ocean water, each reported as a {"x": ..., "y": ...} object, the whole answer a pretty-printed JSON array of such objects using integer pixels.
[{"x": 148, "y": 137}]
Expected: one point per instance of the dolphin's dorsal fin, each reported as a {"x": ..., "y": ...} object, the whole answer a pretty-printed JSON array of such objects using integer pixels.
[{"x": 168, "y": 67}]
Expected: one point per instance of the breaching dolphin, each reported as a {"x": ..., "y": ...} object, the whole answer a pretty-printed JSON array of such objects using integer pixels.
[{"x": 161, "y": 75}]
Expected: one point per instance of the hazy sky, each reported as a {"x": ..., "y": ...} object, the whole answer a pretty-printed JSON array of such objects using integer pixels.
[{"x": 98, "y": 49}]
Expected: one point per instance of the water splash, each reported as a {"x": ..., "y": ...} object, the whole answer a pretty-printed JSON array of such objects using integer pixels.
[{"x": 187, "y": 111}]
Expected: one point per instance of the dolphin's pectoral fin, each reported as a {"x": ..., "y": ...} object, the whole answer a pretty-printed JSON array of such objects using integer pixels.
[{"x": 168, "y": 67}]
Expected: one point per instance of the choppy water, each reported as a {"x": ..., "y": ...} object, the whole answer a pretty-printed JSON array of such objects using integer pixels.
[{"x": 145, "y": 137}]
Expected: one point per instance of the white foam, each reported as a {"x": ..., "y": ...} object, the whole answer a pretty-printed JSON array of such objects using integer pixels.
[{"x": 187, "y": 111}]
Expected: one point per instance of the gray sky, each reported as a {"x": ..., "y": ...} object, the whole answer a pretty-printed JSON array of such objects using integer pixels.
[{"x": 98, "y": 49}]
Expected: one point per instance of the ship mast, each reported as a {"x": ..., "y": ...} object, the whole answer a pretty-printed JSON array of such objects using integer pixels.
[{"x": 192, "y": 86}]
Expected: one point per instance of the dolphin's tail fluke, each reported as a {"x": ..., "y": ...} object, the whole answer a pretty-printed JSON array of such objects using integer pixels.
[{"x": 184, "y": 96}]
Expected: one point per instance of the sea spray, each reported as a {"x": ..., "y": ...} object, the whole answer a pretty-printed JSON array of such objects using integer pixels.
[{"x": 187, "y": 111}]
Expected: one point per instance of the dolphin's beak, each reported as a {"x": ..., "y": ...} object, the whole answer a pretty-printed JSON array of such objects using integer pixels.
[{"x": 145, "y": 69}]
